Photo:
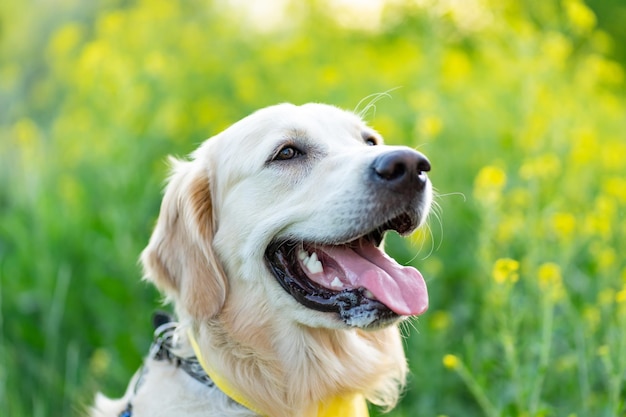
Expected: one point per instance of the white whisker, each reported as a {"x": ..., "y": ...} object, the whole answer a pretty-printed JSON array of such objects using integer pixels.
[
  {"x": 454, "y": 194},
  {"x": 371, "y": 105}
]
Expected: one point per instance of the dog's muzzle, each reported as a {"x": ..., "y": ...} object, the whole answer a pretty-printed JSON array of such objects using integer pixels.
[{"x": 354, "y": 278}]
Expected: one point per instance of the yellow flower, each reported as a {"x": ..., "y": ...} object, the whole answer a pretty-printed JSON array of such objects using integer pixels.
[
  {"x": 489, "y": 183},
  {"x": 420, "y": 237},
  {"x": 456, "y": 65},
  {"x": 99, "y": 362},
  {"x": 26, "y": 132},
  {"x": 566, "y": 363},
  {"x": 563, "y": 225},
  {"x": 612, "y": 155},
  {"x": 429, "y": 126},
  {"x": 156, "y": 64},
  {"x": 541, "y": 167},
  {"x": 491, "y": 176},
  {"x": 592, "y": 317},
  {"x": 557, "y": 47},
  {"x": 606, "y": 207},
  {"x": 330, "y": 76},
  {"x": 551, "y": 280},
  {"x": 71, "y": 191},
  {"x": 620, "y": 297},
  {"x": 603, "y": 350},
  {"x": 247, "y": 88},
  {"x": 111, "y": 23},
  {"x": 597, "y": 225},
  {"x": 505, "y": 270},
  {"x": 423, "y": 101},
  {"x": 440, "y": 320},
  {"x": 65, "y": 40},
  {"x": 451, "y": 361},
  {"x": 580, "y": 16},
  {"x": 510, "y": 227},
  {"x": 520, "y": 197},
  {"x": 606, "y": 258},
  {"x": 616, "y": 187},
  {"x": 549, "y": 275},
  {"x": 586, "y": 145},
  {"x": 606, "y": 297}
]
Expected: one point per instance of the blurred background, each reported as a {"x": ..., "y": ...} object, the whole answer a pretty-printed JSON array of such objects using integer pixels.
[{"x": 520, "y": 106}]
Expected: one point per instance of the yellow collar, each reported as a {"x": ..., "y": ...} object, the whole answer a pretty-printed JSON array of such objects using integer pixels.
[{"x": 347, "y": 406}]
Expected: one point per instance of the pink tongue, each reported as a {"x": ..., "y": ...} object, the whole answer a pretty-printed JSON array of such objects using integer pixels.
[{"x": 402, "y": 289}]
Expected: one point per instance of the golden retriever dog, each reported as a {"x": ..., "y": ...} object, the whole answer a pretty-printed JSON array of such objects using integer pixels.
[{"x": 269, "y": 246}]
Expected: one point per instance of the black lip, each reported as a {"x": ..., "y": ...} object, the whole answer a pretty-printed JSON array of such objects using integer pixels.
[
  {"x": 403, "y": 223},
  {"x": 348, "y": 304}
]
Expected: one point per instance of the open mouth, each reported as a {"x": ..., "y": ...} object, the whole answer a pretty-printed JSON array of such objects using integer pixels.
[{"x": 355, "y": 279}]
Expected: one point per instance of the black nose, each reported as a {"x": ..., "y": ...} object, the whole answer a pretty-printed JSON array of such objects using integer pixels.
[{"x": 401, "y": 169}]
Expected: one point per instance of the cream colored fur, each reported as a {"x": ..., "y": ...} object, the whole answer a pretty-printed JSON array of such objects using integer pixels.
[{"x": 221, "y": 209}]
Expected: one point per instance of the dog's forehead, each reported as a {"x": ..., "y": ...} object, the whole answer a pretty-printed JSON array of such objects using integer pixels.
[
  {"x": 309, "y": 113},
  {"x": 316, "y": 121},
  {"x": 255, "y": 136}
]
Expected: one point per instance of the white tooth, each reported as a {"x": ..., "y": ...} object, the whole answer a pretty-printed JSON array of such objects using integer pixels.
[
  {"x": 336, "y": 283},
  {"x": 314, "y": 268},
  {"x": 369, "y": 294},
  {"x": 313, "y": 265},
  {"x": 302, "y": 254}
]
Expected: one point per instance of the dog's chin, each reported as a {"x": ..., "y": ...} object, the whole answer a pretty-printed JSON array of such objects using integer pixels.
[{"x": 352, "y": 280}]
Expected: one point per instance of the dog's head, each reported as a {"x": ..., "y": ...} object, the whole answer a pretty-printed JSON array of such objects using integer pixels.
[{"x": 286, "y": 211}]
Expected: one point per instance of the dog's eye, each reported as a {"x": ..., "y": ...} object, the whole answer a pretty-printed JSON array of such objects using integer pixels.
[
  {"x": 370, "y": 141},
  {"x": 287, "y": 152}
]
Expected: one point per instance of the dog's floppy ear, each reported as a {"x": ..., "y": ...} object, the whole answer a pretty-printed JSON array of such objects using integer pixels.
[{"x": 179, "y": 258}]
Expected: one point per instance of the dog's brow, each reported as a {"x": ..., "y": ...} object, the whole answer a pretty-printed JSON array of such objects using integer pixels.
[
  {"x": 297, "y": 133},
  {"x": 370, "y": 134}
]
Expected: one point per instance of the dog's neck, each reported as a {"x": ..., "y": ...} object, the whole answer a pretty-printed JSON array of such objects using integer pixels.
[{"x": 286, "y": 369}]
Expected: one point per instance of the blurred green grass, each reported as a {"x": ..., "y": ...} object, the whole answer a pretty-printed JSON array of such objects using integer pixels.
[{"x": 519, "y": 105}]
